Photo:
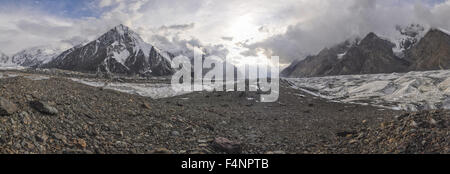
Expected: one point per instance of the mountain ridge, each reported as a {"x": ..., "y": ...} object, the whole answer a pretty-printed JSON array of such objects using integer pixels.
[
  {"x": 374, "y": 54},
  {"x": 118, "y": 51}
]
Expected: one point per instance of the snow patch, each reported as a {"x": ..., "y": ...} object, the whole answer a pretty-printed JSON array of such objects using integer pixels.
[
  {"x": 444, "y": 30},
  {"x": 121, "y": 56},
  {"x": 340, "y": 56}
]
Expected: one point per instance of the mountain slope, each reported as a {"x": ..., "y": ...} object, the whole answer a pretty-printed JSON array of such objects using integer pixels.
[
  {"x": 119, "y": 51},
  {"x": 414, "y": 50},
  {"x": 35, "y": 56},
  {"x": 317, "y": 65},
  {"x": 372, "y": 55},
  {"x": 432, "y": 52}
]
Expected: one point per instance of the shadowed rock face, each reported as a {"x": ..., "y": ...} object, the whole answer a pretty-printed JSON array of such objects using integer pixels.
[
  {"x": 432, "y": 52},
  {"x": 119, "y": 51},
  {"x": 374, "y": 55}
]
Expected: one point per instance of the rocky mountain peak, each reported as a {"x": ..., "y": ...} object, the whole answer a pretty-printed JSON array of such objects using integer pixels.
[
  {"x": 373, "y": 40},
  {"x": 121, "y": 34},
  {"x": 432, "y": 52}
]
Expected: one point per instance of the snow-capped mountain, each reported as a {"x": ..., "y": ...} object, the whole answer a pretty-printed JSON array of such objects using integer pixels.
[
  {"x": 4, "y": 59},
  {"x": 36, "y": 56},
  {"x": 370, "y": 56},
  {"x": 120, "y": 51},
  {"x": 318, "y": 64}
]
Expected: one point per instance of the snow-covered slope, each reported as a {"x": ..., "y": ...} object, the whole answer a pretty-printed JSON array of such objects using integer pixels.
[
  {"x": 120, "y": 51},
  {"x": 36, "y": 56},
  {"x": 407, "y": 91}
]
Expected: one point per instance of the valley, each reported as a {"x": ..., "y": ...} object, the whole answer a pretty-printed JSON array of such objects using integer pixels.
[{"x": 101, "y": 120}]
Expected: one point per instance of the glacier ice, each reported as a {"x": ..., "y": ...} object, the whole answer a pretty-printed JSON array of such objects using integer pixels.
[{"x": 411, "y": 91}]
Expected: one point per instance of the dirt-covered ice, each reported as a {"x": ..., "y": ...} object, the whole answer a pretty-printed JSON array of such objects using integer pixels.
[
  {"x": 152, "y": 90},
  {"x": 408, "y": 91}
]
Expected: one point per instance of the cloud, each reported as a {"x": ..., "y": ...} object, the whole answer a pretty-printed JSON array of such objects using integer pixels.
[
  {"x": 186, "y": 47},
  {"x": 178, "y": 27}
]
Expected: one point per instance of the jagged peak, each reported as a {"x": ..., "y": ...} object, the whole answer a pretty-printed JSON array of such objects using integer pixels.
[
  {"x": 121, "y": 31},
  {"x": 372, "y": 37},
  {"x": 121, "y": 26}
]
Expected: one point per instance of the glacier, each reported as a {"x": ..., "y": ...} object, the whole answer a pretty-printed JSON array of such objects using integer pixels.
[{"x": 413, "y": 91}]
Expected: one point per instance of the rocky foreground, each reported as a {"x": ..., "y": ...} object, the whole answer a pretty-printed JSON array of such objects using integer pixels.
[
  {"x": 421, "y": 132},
  {"x": 58, "y": 115}
]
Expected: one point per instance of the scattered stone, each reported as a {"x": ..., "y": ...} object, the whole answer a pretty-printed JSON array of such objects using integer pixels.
[
  {"x": 44, "y": 107},
  {"x": 161, "y": 151},
  {"x": 202, "y": 141},
  {"x": 413, "y": 133},
  {"x": 146, "y": 105},
  {"x": 41, "y": 138},
  {"x": 6, "y": 107},
  {"x": 175, "y": 133},
  {"x": 279, "y": 152},
  {"x": 227, "y": 146},
  {"x": 203, "y": 145},
  {"x": 25, "y": 118},
  {"x": 433, "y": 121},
  {"x": 81, "y": 143},
  {"x": 353, "y": 141},
  {"x": 60, "y": 137},
  {"x": 346, "y": 133}
]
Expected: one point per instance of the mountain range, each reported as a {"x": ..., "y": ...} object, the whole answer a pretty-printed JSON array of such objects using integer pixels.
[
  {"x": 122, "y": 51},
  {"x": 416, "y": 51}
]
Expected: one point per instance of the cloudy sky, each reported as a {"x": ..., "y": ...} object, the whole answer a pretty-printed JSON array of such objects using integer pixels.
[{"x": 248, "y": 30}]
